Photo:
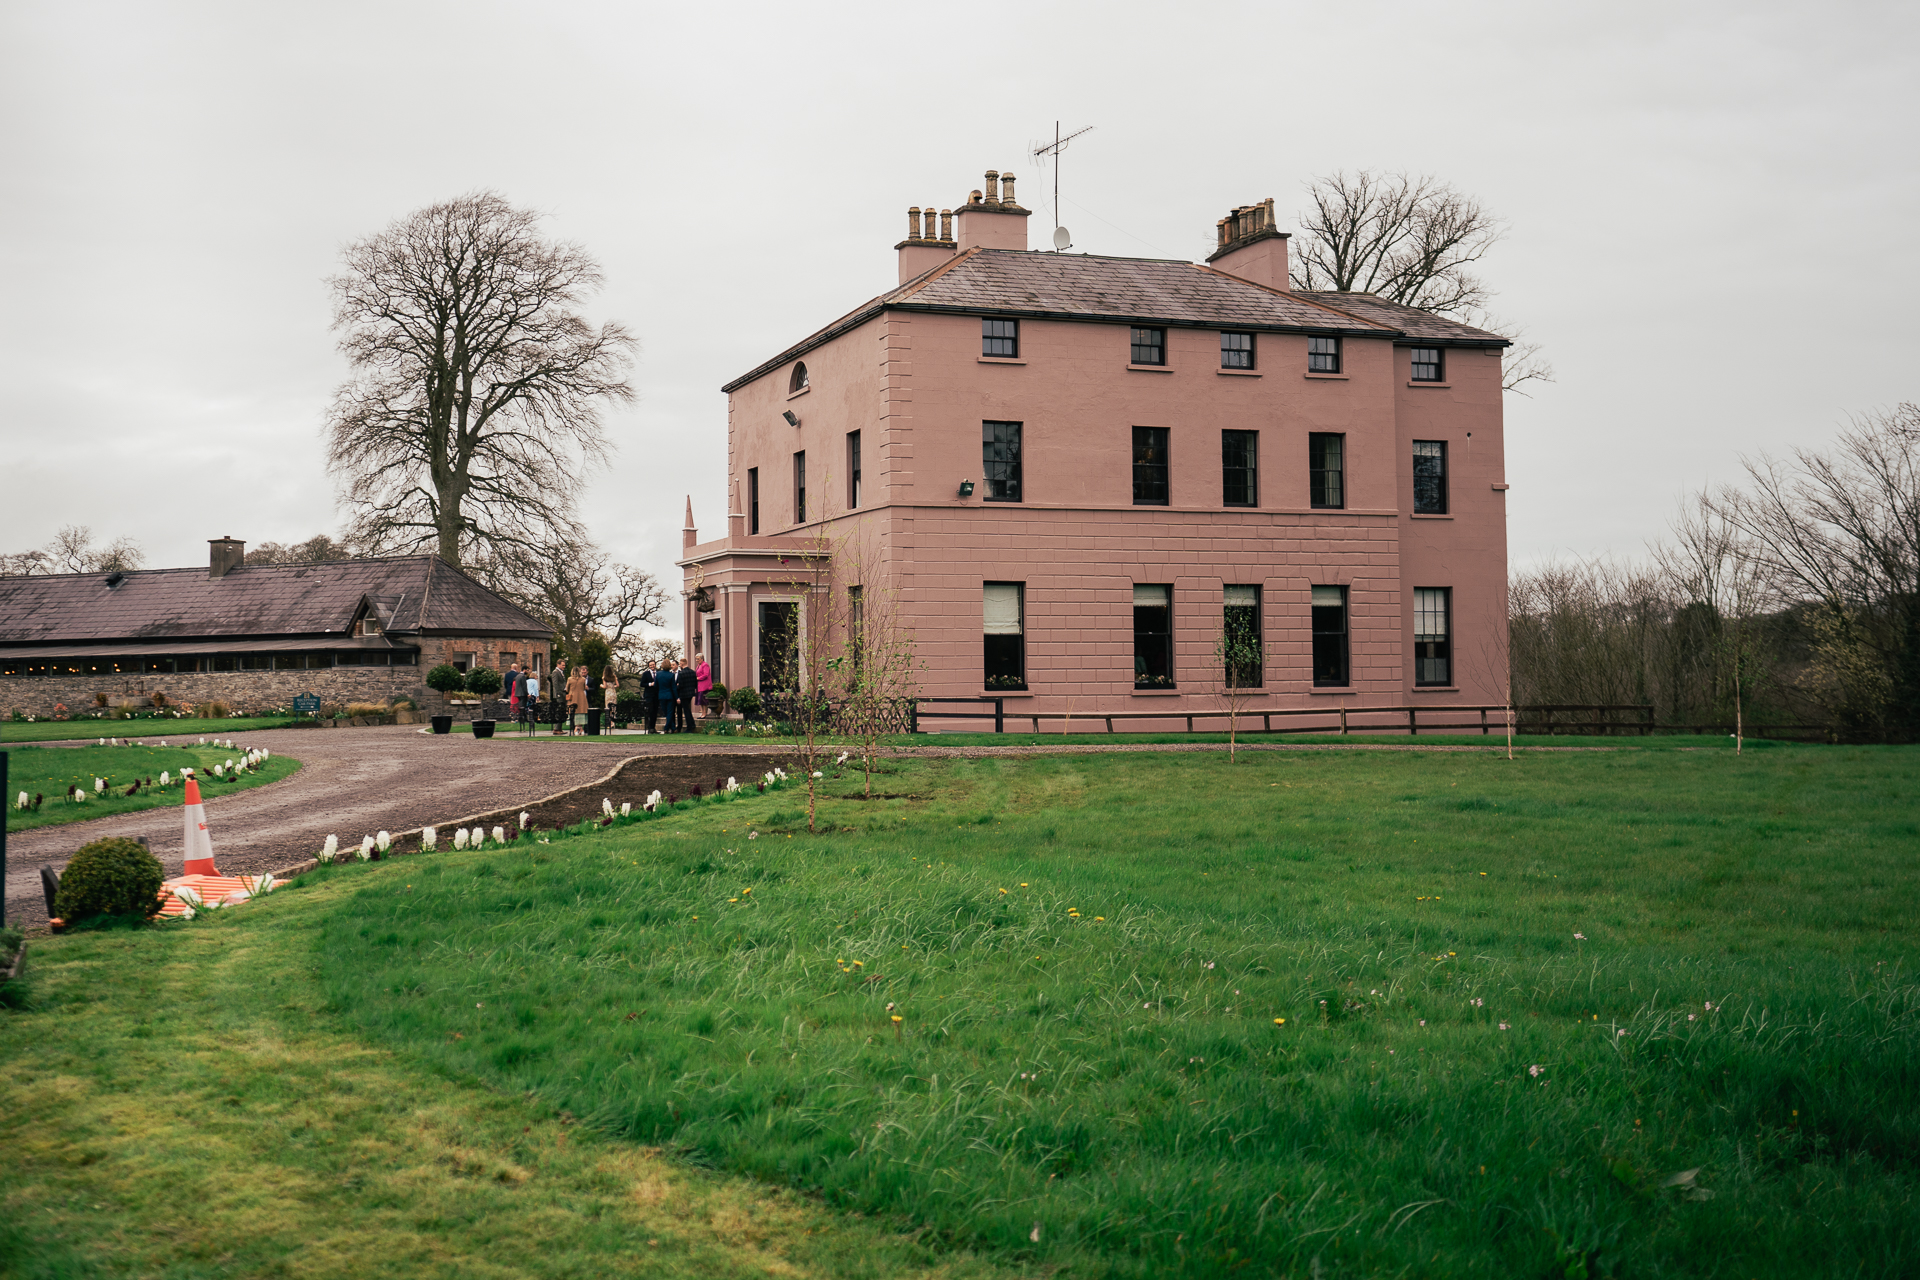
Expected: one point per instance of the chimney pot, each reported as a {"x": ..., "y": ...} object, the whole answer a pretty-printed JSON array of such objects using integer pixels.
[
  {"x": 993, "y": 186},
  {"x": 913, "y": 223},
  {"x": 1006, "y": 188},
  {"x": 946, "y": 224},
  {"x": 973, "y": 196}
]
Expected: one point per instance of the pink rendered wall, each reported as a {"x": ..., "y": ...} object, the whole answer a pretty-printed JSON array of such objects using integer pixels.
[{"x": 917, "y": 389}]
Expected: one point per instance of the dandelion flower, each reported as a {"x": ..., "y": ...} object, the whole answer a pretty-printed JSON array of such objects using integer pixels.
[
  {"x": 1279, "y": 1022},
  {"x": 896, "y": 1017}
]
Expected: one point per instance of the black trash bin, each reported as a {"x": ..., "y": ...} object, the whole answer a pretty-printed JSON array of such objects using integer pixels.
[
  {"x": 593, "y": 722},
  {"x": 442, "y": 724}
]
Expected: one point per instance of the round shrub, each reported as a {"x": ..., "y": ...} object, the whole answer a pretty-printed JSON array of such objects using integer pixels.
[
  {"x": 484, "y": 681},
  {"x": 112, "y": 877},
  {"x": 746, "y": 702},
  {"x": 446, "y": 678}
]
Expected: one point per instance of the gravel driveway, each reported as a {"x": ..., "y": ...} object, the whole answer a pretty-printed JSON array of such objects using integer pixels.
[{"x": 351, "y": 783}]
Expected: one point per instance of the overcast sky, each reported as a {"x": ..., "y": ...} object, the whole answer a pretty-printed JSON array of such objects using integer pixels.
[{"x": 1713, "y": 212}]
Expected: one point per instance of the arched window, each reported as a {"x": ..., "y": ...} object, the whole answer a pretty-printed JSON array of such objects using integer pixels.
[{"x": 799, "y": 380}]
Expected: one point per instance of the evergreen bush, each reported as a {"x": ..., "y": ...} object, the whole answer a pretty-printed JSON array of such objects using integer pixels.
[
  {"x": 484, "y": 681},
  {"x": 746, "y": 702},
  {"x": 112, "y": 877},
  {"x": 446, "y": 678}
]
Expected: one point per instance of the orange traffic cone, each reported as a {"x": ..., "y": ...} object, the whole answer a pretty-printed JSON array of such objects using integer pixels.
[{"x": 199, "y": 842}]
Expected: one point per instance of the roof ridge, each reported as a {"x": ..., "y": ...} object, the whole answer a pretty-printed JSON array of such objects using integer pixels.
[{"x": 1288, "y": 293}]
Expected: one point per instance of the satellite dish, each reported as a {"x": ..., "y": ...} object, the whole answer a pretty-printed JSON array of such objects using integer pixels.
[{"x": 1061, "y": 240}]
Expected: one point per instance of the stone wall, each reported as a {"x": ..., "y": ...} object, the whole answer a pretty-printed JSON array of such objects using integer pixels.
[{"x": 253, "y": 691}]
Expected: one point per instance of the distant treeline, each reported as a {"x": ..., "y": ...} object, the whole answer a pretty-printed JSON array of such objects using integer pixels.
[{"x": 1793, "y": 599}]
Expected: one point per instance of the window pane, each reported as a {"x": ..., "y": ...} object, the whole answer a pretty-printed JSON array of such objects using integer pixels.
[
  {"x": 1323, "y": 355},
  {"x": 1426, "y": 364},
  {"x": 853, "y": 469},
  {"x": 1329, "y": 607},
  {"x": 1000, "y": 338},
  {"x": 800, "y": 487},
  {"x": 1150, "y": 465},
  {"x": 1326, "y": 470},
  {"x": 1004, "y": 624},
  {"x": 1432, "y": 641},
  {"x": 1149, "y": 346},
  {"x": 1239, "y": 454},
  {"x": 753, "y": 500},
  {"x": 1152, "y": 637},
  {"x": 1430, "y": 477},
  {"x": 1000, "y": 460},
  {"x": 779, "y": 646},
  {"x": 1241, "y": 654},
  {"x": 1236, "y": 351}
]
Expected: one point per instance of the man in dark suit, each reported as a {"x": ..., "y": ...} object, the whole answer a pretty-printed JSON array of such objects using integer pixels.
[
  {"x": 685, "y": 685},
  {"x": 647, "y": 708}
]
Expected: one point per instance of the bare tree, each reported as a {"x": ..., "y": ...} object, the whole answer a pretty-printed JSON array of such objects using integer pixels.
[
  {"x": 318, "y": 549},
  {"x": 1409, "y": 240},
  {"x": 575, "y": 588},
  {"x": 1842, "y": 530},
  {"x": 73, "y": 551},
  {"x": 1711, "y": 563},
  {"x": 1238, "y": 659},
  {"x": 878, "y": 668},
  {"x": 473, "y": 416}
]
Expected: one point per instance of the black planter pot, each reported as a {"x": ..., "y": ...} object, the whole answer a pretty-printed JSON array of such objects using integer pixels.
[
  {"x": 443, "y": 724},
  {"x": 483, "y": 728},
  {"x": 593, "y": 722}
]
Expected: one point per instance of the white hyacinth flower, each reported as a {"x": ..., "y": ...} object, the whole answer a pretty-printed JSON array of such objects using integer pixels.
[
  {"x": 264, "y": 883},
  {"x": 22, "y": 802},
  {"x": 384, "y": 840},
  {"x": 366, "y": 848},
  {"x": 330, "y": 849},
  {"x": 842, "y": 759},
  {"x": 203, "y": 742},
  {"x": 499, "y": 835},
  {"x": 479, "y": 837},
  {"x": 99, "y": 785},
  {"x": 428, "y": 838},
  {"x": 460, "y": 838},
  {"x": 525, "y": 817},
  {"x": 733, "y": 784},
  {"x": 818, "y": 774},
  {"x": 165, "y": 778},
  {"x": 626, "y": 808},
  {"x": 186, "y": 773},
  {"x": 606, "y": 806},
  {"x": 187, "y": 894}
]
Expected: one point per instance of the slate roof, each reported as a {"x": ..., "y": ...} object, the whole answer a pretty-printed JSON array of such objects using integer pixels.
[
  {"x": 265, "y": 601},
  {"x": 1411, "y": 321},
  {"x": 1063, "y": 286}
]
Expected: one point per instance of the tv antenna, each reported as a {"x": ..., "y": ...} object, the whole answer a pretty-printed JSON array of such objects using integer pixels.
[{"x": 1051, "y": 151}]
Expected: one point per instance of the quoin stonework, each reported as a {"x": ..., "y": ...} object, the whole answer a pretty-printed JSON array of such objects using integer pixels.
[
  {"x": 1076, "y": 473},
  {"x": 251, "y": 636}
]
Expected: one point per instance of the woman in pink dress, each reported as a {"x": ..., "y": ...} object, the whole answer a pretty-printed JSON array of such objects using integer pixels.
[{"x": 704, "y": 674}]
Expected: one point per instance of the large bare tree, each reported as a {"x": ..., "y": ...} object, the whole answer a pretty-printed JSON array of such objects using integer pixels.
[
  {"x": 1411, "y": 240},
  {"x": 318, "y": 549},
  {"x": 473, "y": 415},
  {"x": 573, "y": 587}
]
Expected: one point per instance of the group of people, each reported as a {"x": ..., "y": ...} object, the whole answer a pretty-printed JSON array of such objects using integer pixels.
[{"x": 666, "y": 691}]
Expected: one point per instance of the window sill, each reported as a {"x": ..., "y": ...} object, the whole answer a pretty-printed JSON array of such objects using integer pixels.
[
  {"x": 1154, "y": 693},
  {"x": 998, "y": 360},
  {"x": 1433, "y": 386},
  {"x": 1237, "y": 373},
  {"x": 1331, "y": 690},
  {"x": 1425, "y": 515},
  {"x": 1007, "y": 693},
  {"x": 1501, "y": 488},
  {"x": 795, "y": 395},
  {"x": 1436, "y": 688},
  {"x": 1326, "y": 377},
  {"x": 1149, "y": 368}
]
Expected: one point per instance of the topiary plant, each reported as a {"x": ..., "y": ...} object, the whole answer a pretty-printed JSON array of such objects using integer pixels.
[
  {"x": 112, "y": 877},
  {"x": 446, "y": 678},
  {"x": 484, "y": 681},
  {"x": 746, "y": 702}
]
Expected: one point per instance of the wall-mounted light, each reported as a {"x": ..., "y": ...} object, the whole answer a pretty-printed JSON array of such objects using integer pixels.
[
  {"x": 793, "y": 419},
  {"x": 966, "y": 488}
]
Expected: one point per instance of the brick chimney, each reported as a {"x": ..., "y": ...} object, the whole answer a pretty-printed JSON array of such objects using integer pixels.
[
  {"x": 993, "y": 220},
  {"x": 1252, "y": 246},
  {"x": 224, "y": 555},
  {"x": 927, "y": 245}
]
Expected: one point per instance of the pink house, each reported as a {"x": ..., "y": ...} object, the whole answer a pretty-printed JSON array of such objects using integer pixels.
[{"x": 1075, "y": 474}]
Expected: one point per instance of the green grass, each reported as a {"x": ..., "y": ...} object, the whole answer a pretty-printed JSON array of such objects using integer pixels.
[
  {"x": 185, "y": 1102},
  {"x": 1123, "y": 1084},
  {"x": 51, "y": 771},
  {"x": 146, "y": 730},
  {"x": 1120, "y": 1083}
]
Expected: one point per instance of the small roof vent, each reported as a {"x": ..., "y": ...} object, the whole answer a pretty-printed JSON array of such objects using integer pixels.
[{"x": 115, "y": 578}]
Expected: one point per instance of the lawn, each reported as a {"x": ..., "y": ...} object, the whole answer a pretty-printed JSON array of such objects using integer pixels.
[
  {"x": 146, "y": 730},
  {"x": 52, "y": 771},
  {"x": 1091, "y": 955}
]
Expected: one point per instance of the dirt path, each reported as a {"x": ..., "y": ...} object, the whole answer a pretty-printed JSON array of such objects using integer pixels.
[{"x": 355, "y": 782}]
